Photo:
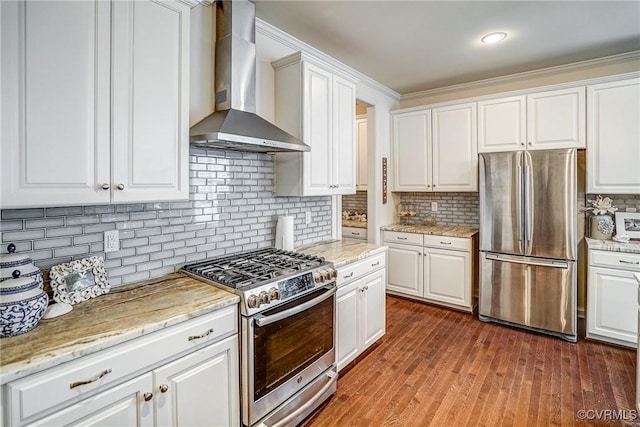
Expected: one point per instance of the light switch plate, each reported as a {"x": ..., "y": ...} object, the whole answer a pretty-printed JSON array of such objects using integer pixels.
[
  {"x": 111, "y": 241},
  {"x": 307, "y": 217},
  {"x": 434, "y": 206}
]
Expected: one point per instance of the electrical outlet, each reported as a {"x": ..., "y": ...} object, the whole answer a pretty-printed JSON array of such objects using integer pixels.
[
  {"x": 111, "y": 241},
  {"x": 307, "y": 217},
  {"x": 434, "y": 206}
]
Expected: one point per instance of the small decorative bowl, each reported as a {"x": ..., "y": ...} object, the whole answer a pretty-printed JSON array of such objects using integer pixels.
[{"x": 22, "y": 305}]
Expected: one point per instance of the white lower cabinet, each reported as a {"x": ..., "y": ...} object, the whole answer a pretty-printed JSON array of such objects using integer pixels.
[
  {"x": 360, "y": 309},
  {"x": 123, "y": 405},
  {"x": 612, "y": 297},
  {"x": 405, "y": 269},
  {"x": 183, "y": 375},
  {"x": 433, "y": 268},
  {"x": 200, "y": 388},
  {"x": 447, "y": 274}
]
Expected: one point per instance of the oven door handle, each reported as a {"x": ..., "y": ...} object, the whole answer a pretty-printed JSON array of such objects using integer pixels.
[{"x": 267, "y": 320}]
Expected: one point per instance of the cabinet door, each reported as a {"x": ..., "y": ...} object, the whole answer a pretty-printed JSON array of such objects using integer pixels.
[
  {"x": 613, "y": 137},
  {"x": 455, "y": 148},
  {"x": 348, "y": 323},
  {"x": 412, "y": 155},
  {"x": 55, "y": 103},
  {"x": 361, "y": 161},
  {"x": 122, "y": 405},
  {"x": 556, "y": 119},
  {"x": 372, "y": 308},
  {"x": 202, "y": 388},
  {"x": 317, "y": 125},
  {"x": 502, "y": 124},
  {"x": 447, "y": 276},
  {"x": 405, "y": 269},
  {"x": 612, "y": 299},
  {"x": 344, "y": 141},
  {"x": 150, "y": 139}
]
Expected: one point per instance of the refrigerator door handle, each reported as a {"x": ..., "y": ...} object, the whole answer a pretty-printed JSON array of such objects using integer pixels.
[
  {"x": 528, "y": 201},
  {"x": 519, "y": 205},
  {"x": 528, "y": 261}
]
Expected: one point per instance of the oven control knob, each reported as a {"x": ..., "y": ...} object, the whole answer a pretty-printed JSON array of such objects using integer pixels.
[
  {"x": 264, "y": 297},
  {"x": 327, "y": 275},
  {"x": 274, "y": 293},
  {"x": 334, "y": 273},
  {"x": 252, "y": 301},
  {"x": 319, "y": 278}
]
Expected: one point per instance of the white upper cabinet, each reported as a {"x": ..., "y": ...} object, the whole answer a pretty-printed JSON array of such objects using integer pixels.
[
  {"x": 411, "y": 153},
  {"x": 150, "y": 63},
  {"x": 55, "y": 103},
  {"x": 613, "y": 137},
  {"x": 540, "y": 121},
  {"x": 435, "y": 150},
  {"x": 95, "y": 98},
  {"x": 556, "y": 119},
  {"x": 316, "y": 104},
  {"x": 361, "y": 148},
  {"x": 455, "y": 148},
  {"x": 501, "y": 124}
]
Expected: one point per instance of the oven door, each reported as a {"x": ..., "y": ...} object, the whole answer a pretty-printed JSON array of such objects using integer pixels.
[{"x": 284, "y": 349}]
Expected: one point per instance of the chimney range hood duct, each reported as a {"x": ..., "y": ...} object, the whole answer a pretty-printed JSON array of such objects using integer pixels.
[{"x": 235, "y": 124}]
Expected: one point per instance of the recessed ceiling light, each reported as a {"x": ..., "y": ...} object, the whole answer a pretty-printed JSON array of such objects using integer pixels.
[{"x": 493, "y": 37}]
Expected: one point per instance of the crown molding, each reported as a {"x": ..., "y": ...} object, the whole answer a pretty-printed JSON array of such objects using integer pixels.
[
  {"x": 295, "y": 44},
  {"x": 543, "y": 72}
]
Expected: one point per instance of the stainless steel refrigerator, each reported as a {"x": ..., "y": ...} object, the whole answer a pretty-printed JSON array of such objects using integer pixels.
[{"x": 529, "y": 240}]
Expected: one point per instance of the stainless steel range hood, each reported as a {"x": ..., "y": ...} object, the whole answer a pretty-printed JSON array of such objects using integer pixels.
[{"x": 235, "y": 124}]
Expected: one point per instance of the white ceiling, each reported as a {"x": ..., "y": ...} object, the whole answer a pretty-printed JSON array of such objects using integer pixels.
[{"x": 410, "y": 46}]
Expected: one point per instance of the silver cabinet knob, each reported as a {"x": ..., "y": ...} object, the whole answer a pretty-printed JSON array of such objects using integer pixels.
[
  {"x": 522, "y": 143},
  {"x": 147, "y": 396},
  {"x": 120, "y": 187},
  {"x": 105, "y": 186},
  {"x": 164, "y": 388}
]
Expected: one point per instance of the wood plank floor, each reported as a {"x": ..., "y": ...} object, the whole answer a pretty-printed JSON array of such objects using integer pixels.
[{"x": 444, "y": 368}]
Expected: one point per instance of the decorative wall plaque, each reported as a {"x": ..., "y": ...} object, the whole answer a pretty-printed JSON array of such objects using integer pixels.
[{"x": 384, "y": 180}]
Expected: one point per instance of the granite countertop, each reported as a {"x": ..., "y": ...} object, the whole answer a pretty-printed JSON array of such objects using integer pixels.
[
  {"x": 439, "y": 230},
  {"x": 342, "y": 252},
  {"x": 610, "y": 245},
  {"x": 107, "y": 320},
  {"x": 352, "y": 223}
]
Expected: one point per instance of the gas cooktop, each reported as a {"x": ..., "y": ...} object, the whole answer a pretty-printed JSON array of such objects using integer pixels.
[{"x": 264, "y": 278}]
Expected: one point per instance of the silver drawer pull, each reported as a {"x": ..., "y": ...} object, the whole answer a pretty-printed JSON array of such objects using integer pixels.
[
  {"x": 346, "y": 276},
  {"x": 354, "y": 233},
  {"x": 197, "y": 337},
  {"x": 629, "y": 262},
  {"x": 402, "y": 238},
  {"x": 375, "y": 264},
  {"x": 91, "y": 380},
  {"x": 445, "y": 243}
]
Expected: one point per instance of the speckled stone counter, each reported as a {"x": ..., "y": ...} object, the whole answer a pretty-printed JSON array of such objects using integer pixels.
[
  {"x": 612, "y": 246},
  {"x": 342, "y": 252},
  {"x": 110, "y": 319},
  {"x": 354, "y": 224},
  {"x": 439, "y": 230}
]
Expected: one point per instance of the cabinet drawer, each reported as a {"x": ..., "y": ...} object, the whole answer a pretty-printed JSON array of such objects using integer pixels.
[
  {"x": 404, "y": 238},
  {"x": 354, "y": 233},
  {"x": 350, "y": 272},
  {"x": 70, "y": 382},
  {"x": 443, "y": 242},
  {"x": 620, "y": 260}
]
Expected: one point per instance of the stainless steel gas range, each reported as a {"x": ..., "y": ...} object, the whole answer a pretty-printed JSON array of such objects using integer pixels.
[{"x": 287, "y": 306}]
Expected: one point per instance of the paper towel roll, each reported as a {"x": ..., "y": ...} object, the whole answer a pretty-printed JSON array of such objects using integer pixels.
[{"x": 284, "y": 233}]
